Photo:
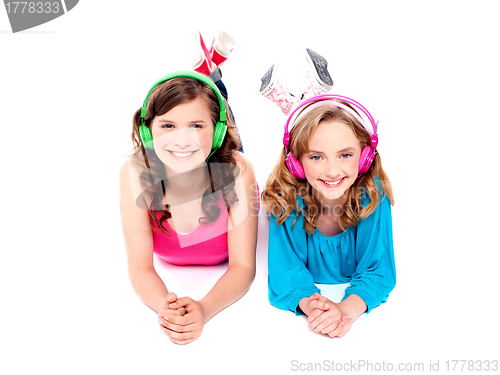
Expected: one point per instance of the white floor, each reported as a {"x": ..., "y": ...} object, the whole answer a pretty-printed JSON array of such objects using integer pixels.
[{"x": 69, "y": 88}]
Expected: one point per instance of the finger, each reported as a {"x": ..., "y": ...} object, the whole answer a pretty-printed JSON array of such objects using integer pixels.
[
  {"x": 327, "y": 325},
  {"x": 332, "y": 324},
  {"x": 319, "y": 297},
  {"x": 319, "y": 319},
  {"x": 320, "y": 305},
  {"x": 326, "y": 330},
  {"x": 315, "y": 296},
  {"x": 322, "y": 298},
  {"x": 167, "y": 313},
  {"x": 176, "y": 312},
  {"x": 337, "y": 331},
  {"x": 180, "y": 337},
  {"x": 182, "y": 342},
  {"x": 347, "y": 319},
  {"x": 165, "y": 324},
  {"x": 315, "y": 313},
  {"x": 169, "y": 320},
  {"x": 171, "y": 297},
  {"x": 347, "y": 327},
  {"x": 185, "y": 323},
  {"x": 182, "y": 333},
  {"x": 343, "y": 332},
  {"x": 183, "y": 301}
]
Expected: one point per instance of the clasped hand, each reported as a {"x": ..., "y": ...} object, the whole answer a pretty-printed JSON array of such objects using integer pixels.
[
  {"x": 181, "y": 319},
  {"x": 326, "y": 317}
]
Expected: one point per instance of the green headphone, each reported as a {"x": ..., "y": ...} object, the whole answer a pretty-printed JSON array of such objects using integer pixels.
[{"x": 220, "y": 128}]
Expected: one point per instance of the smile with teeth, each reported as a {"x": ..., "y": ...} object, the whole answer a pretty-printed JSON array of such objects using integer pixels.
[
  {"x": 182, "y": 154},
  {"x": 333, "y": 183}
]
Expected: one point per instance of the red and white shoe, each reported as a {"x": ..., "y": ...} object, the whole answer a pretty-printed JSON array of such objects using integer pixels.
[
  {"x": 221, "y": 47},
  {"x": 201, "y": 59}
]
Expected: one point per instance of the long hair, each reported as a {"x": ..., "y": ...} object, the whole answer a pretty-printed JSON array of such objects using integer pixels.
[
  {"x": 222, "y": 167},
  {"x": 282, "y": 188}
]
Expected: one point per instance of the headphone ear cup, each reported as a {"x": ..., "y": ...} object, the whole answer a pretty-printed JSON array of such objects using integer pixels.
[
  {"x": 366, "y": 160},
  {"x": 294, "y": 166},
  {"x": 219, "y": 135},
  {"x": 146, "y": 137}
]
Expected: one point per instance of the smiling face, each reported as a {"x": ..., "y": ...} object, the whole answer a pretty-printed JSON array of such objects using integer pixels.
[
  {"x": 183, "y": 136},
  {"x": 331, "y": 162}
]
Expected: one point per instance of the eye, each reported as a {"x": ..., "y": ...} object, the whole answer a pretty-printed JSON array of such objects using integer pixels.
[
  {"x": 315, "y": 157},
  {"x": 167, "y": 126},
  {"x": 345, "y": 156},
  {"x": 196, "y": 126}
]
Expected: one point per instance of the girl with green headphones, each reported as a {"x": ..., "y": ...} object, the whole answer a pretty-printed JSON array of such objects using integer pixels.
[{"x": 189, "y": 196}]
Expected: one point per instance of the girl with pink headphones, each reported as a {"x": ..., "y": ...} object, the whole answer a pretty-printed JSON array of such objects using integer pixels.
[
  {"x": 188, "y": 196},
  {"x": 330, "y": 215}
]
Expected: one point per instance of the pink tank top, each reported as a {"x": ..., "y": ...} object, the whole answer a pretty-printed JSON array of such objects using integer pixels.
[{"x": 206, "y": 245}]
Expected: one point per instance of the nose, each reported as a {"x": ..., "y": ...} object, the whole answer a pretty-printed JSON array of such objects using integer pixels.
[
  {"x": 332, "y": 169},
  {"x": 182, "y": 138}
]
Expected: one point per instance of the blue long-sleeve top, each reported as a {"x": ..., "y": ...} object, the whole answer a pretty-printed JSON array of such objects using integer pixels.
[{"x": 362, "y": 256}]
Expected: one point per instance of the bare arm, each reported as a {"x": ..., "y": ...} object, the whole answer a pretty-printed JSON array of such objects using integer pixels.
[
  {"x": 242, "y": 240},
  {"x": 139, "y": 243}
]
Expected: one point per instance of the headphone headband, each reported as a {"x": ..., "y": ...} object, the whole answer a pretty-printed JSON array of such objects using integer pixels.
[
  {"x": 187, "y": 74},
  {"x": 321, "y": 100}
]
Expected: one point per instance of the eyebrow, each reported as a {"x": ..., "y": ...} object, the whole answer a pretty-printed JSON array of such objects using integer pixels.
[
  {"x": 173, "y": 122},
  {"x": 347, "y": 149}
]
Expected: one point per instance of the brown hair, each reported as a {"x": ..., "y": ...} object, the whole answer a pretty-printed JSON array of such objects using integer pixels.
[
  {"x": 162, "y": 99},
  {"x": 282, "y": 188}
]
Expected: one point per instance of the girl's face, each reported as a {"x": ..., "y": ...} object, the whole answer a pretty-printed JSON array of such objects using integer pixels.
[
  {"x": 183, "y": 136},
  {"x": 331, "y": 164}
]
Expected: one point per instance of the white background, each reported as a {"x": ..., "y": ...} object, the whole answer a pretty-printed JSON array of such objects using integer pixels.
[{"x": 428, "y": 70}]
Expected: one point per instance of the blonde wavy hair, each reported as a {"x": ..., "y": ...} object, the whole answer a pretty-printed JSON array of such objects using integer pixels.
[{"x": 282, "y": 188}]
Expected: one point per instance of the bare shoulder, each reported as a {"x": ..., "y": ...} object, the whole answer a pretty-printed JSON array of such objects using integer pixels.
[
  {"x": 247, "y": 173},
  {"x": 124, "y": 176},
  {"x": 243, "y": 162},
  {"x": 130, "y": 182}
]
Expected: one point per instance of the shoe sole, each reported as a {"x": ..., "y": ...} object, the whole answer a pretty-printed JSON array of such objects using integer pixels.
[
  {"x": 223, "y": 44},
  {"x": 268, "y": 80},
  {"x": 320, "y": 69}
]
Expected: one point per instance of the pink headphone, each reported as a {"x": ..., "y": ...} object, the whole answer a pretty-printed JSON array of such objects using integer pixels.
[{"x": 367, "y": 154}]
